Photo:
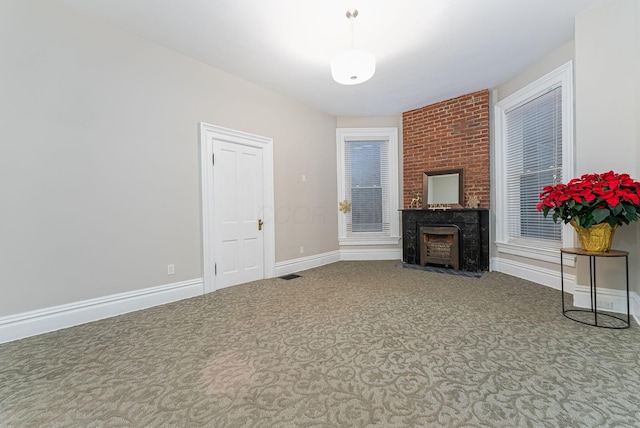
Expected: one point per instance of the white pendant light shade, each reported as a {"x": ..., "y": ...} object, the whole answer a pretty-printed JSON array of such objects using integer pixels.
[{"x": 353, "y": 66}]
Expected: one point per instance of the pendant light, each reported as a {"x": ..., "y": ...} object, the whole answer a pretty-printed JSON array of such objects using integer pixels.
[{"x": 355, "y": 65}]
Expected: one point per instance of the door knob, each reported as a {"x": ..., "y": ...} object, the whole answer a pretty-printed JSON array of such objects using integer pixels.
[{"x": 260, "y": 224}]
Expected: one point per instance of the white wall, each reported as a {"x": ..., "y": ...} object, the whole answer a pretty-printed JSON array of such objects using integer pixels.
[
  {"x": 99, "y": 168},
  {"x": 539, "y": 271},
  {"x": 606, "y": 53},
  {"x": 608, "y": 111}
]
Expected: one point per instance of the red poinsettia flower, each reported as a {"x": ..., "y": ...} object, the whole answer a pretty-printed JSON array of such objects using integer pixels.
[
  {"x": 631, "y": 197},
  {"x": 588, "y": 195},
  {"x": 608, "y": 197}
]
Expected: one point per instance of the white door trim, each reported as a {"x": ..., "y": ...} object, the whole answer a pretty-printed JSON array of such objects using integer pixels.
[{"x": 208, "y": 133}]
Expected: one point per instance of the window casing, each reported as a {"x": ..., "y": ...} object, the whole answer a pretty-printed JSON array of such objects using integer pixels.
[
  {"x": 368, "y": 180},
  {"x": 534, "y": 148}
]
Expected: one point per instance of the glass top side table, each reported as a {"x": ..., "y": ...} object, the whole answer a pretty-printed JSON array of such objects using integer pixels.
[{"x": 573, "y": 314}]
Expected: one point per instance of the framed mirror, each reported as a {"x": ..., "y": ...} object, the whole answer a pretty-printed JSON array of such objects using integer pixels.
[{"x": 443, "y": 187}]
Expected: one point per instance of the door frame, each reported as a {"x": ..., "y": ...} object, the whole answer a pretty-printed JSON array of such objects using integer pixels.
[{"x": 215, "y": 133}]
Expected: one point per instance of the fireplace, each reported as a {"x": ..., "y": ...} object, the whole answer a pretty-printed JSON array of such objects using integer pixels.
[
  {"x": 439, "y": 246},
  {"x": 472, "y": 226}
]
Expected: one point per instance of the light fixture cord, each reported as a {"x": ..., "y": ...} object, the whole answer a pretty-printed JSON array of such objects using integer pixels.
[
  {"x": 352, "y": 32},
  {"x": 352, "y": 15}
]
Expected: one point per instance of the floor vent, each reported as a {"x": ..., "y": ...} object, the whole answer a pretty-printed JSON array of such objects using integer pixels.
[{"x": 290, "y": 276}]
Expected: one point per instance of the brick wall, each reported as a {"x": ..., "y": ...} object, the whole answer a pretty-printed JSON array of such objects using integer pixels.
[{"x": 448, "y": 135}]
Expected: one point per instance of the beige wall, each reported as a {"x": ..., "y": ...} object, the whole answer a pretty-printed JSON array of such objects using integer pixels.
[
  {"x": 99, "y": 166},
  {"x": 371, "y": 122},
  {"x": 608, "y": 109},
  {"x": 548, "y": 63},
  {"x": 99, "y": 161},
  {"x": 606, "y": 54},
  {"x": 637, "y": 120}
]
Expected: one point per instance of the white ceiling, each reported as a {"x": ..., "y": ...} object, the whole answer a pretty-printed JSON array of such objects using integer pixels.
[{"x": 426, "y": 50}]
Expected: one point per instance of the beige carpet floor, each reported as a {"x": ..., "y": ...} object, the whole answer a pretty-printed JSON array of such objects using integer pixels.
[{"x": 351, "y": 344}]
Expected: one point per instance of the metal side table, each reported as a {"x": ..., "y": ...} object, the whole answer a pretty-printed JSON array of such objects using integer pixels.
[{"x": 592, "y": 285}]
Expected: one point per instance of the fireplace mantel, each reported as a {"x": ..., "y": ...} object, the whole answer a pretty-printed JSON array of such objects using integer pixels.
[{"x": 473, "y": 240}]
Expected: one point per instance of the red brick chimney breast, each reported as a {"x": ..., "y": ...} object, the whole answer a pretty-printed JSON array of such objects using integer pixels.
[{"x": 448, "y": 135}]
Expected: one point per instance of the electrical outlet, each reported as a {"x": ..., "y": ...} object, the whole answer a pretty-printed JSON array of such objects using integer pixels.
[
  {"x": 171, "y": 269},
  {"x": 605, "y": 304},
  {"x": 301, "y": 249}
]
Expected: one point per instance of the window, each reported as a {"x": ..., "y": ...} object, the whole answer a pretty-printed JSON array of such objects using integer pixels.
[
  {"x": 534, "y": 160},
  {"x": 534, "y": 148},
  {"x": 365, "y": 172},
  {"x": 368, "y": 180}
]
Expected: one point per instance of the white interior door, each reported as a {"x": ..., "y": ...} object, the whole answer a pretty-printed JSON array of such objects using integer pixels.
[
  {"x": 237, "y": 194},
  {"x": 238, "y": 204}
]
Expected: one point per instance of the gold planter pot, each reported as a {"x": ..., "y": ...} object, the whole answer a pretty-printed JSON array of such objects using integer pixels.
[{"x": 597, "y": 238}]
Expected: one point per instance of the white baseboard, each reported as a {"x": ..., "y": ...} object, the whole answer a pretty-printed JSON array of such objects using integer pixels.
[
  {"x": 304, "y": 263},
  {"x": 19, "y": 326},
  {"x": 635, "y": 306},
  {"x": 608, "y": 299},
  {"x": 547, "y": 277},
  {"x": 371, "y": 254},
  {"x": 612, "y": 300},
  {"x": 310, "y": 262}
]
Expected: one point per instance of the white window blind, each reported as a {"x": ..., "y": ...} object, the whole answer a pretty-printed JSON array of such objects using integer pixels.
[
  {"x": 533, "y": 160},
  {"x": 367, "y": 187}
]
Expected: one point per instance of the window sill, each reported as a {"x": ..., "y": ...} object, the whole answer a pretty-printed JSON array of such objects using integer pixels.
[{"x": 389, "y": 240}]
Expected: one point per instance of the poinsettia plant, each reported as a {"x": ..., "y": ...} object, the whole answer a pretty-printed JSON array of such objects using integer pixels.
[{"x": 592, "y": 199}]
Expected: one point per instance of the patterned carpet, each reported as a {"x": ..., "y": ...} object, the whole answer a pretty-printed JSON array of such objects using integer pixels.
[{"x": 351, "y": 344}]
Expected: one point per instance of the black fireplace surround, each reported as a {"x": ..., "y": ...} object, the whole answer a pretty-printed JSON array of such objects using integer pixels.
[{"x": 473, "y": 236}]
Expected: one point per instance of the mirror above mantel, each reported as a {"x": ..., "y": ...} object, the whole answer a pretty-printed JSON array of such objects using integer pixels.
[{"x": 443, "y": 188}]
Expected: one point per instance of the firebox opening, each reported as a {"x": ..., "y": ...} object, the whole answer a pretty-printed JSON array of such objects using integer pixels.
[{"x": 439, "y": 246}]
